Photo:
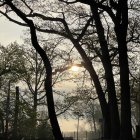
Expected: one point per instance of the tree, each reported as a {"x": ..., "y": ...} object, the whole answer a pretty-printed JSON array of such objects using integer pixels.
[
  {"x": 120, "y": 21},
  {"x": 91, "y": 71},
  {"x": 11, "y": 70},
  {"x": 23, "y": 112},
  {"x": 48, "y": 68},
  {"x": 117, "y": 13}
]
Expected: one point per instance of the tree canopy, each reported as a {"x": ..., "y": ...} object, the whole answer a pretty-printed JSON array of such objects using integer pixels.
[{"x": 104, "y": 36}]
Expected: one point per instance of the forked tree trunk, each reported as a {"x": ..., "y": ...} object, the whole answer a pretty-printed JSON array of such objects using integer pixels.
[{"x": 105, "y": 58}]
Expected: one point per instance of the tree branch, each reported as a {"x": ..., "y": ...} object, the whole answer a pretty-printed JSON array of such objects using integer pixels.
[
  {"x": 84, "y": 29},
  {"x": 13, "y": 20}
]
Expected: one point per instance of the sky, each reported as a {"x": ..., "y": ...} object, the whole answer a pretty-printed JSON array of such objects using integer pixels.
[{"x": 10, "y": 32}]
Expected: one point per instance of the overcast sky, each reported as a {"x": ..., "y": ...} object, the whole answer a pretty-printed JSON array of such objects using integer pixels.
[{"x": 10, "y": 32}]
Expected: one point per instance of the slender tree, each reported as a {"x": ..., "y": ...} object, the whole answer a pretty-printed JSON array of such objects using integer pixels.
[
  {"x": 15, "y": 126},
  {"x": 48, "y": 80}
]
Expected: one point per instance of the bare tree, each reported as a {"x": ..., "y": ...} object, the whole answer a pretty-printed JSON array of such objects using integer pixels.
[
  {"x": 117, "y": 13},
  {"x": 48, "y": 68}
]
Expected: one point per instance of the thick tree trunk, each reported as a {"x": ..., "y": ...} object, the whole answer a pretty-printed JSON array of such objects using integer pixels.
[
  {"x": 121, "y": 26},
  {"x": 105, "y": 58},
  {"x": 126, "y": 128}
]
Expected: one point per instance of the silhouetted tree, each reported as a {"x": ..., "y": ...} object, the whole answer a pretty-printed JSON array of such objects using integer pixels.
[
  {"x": 48, "y": 68},
  {"x": 116, "y": 12}
]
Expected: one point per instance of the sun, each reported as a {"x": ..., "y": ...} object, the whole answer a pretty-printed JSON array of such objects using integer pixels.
[{"x": 74, "y": 68}]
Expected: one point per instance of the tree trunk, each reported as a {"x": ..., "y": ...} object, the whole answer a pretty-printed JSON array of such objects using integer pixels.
[
  {"x": 105, "y": 58},
  {"x": 48, "y": 81},
  {"x": 48, "y": 85},
  {"x": 126, "y": 128},
  {"x": 121, "y": 26},
  {"x": 15, "y": 134},
  {"x": 100, "y": 93}
]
